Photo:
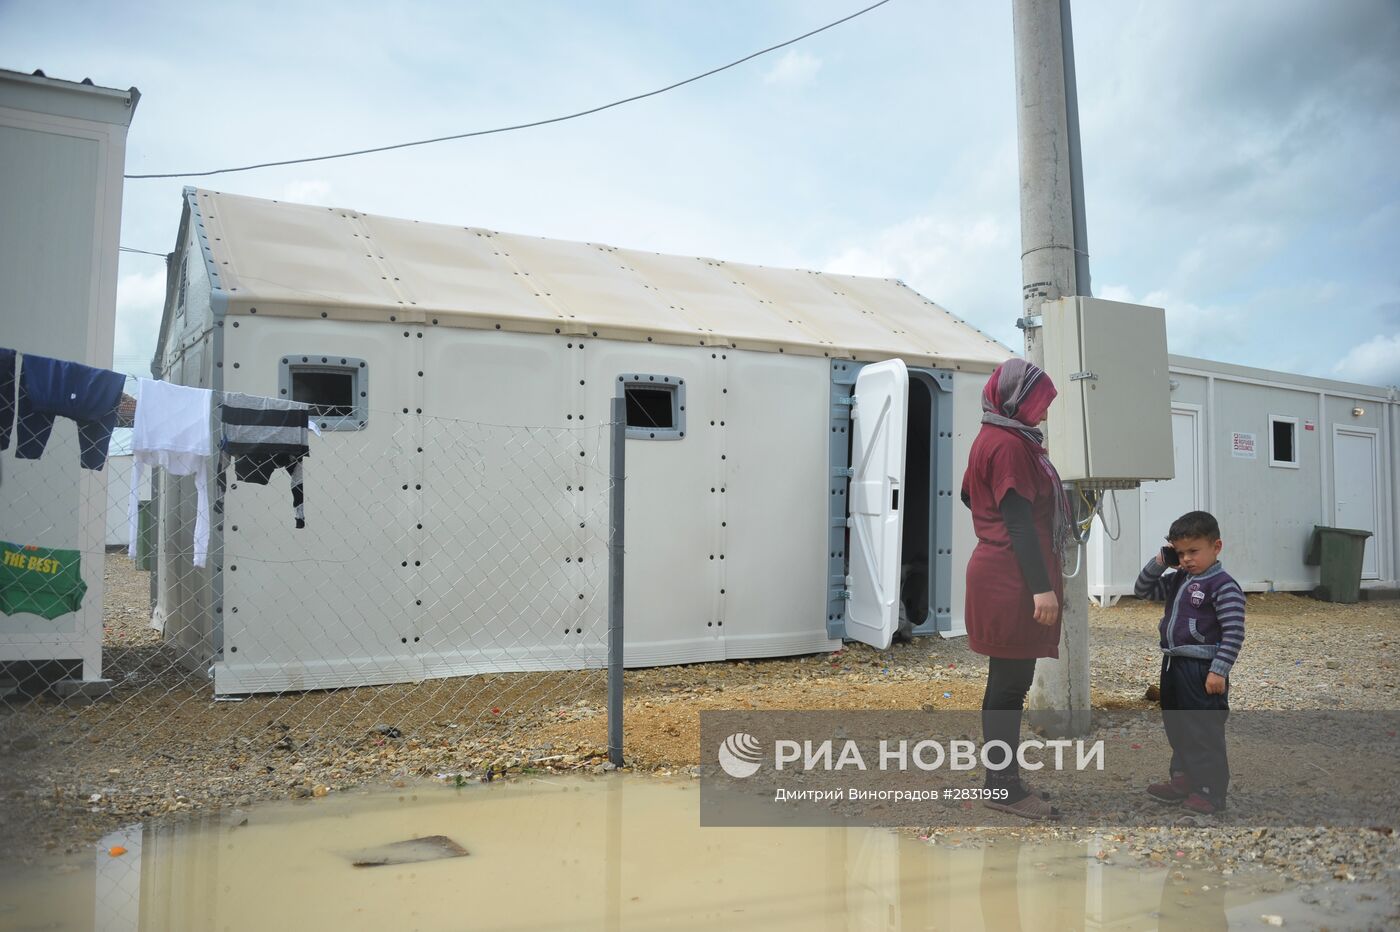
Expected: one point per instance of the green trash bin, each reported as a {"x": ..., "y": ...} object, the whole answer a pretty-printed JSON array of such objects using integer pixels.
[
  {"x": 145, "y": 535},
  {"x": 1339, "y": 551}
]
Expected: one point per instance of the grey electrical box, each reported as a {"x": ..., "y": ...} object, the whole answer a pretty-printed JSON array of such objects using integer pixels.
[{"x": 1111, "y": 426}]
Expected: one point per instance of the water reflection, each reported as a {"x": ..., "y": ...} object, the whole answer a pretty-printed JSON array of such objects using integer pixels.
[{"x": 614, "y": 853}]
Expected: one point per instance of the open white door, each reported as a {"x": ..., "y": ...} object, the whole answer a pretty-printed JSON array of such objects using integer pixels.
[{"x": 879, "y": 425}]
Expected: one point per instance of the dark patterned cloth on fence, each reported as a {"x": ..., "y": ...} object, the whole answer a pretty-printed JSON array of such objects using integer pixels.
[
  {"x": 53, "y": 388},
  {"x": 39, "y": 580},
  {"x": 265, "y": 435},
  {"x": 7, "y": 395}
]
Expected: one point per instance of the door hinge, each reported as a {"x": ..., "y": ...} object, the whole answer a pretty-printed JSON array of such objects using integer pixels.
[
  {"x": 1083, "y": 376},
  {"x": 844, "y": 472}
]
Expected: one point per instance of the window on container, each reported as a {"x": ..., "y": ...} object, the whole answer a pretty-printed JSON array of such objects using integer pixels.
[
  {"x": 655, "y": 406},
  {"x": 183, "y": 287},
  {"x": 336, "y": 388},
  {"x": 1283, "y": 441}
]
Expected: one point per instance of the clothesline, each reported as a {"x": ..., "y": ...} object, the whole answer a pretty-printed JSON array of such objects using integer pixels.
[{"x": 172, "y": 427}]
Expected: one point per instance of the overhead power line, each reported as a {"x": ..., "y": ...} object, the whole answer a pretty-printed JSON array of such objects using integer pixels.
[
  {"x": 517, "y": 126},
  {"x": 144, "y": 252}
]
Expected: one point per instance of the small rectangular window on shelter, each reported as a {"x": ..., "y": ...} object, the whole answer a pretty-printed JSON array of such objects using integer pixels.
[
  {"x": 1283, "y": 441},
  {"x": 336, "y": 388},
  {"x": 655, "y": 406},
  {"x": 180, "y": 292}
]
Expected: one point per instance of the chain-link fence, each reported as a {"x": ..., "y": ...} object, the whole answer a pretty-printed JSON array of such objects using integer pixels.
[{"x": 446, "y": 595}]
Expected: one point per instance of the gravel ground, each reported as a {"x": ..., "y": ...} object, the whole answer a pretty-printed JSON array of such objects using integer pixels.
[{"x": 162, "y": 746}]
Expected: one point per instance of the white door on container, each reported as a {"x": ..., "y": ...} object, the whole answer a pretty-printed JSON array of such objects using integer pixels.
[
  {"x": 1165, "y": 501},
  {"x": 1354, "y": 465},
  {"x": 879, "y": 424}
]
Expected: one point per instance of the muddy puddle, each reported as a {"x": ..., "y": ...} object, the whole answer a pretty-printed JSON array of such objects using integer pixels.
[{"x": 614, "y": 852}]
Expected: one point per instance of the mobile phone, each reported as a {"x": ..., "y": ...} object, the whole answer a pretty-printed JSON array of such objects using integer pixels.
[{"x": 1170, "y": 557}]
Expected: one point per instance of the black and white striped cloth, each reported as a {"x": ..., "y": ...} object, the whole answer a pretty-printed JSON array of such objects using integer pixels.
[{"x": 264, "y": 435}]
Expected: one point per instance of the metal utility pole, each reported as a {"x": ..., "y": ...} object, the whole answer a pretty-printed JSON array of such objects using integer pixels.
[{"x": 1054, "y": 264}]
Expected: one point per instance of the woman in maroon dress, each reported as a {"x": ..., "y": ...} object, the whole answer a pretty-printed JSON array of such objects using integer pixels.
[{"x": 1014, "y": 584}]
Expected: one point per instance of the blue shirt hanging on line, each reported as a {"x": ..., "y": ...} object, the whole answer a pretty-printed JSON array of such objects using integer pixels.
[{"x": 52, "y": 388}]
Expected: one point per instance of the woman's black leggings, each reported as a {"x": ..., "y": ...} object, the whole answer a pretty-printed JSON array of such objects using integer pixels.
[{"x": 1008, "y": 681}]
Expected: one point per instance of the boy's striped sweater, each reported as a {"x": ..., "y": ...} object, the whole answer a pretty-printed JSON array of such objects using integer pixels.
[{"x": 1204, "y": 615}]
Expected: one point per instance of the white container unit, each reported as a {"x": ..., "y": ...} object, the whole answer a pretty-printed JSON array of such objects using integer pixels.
[
  {"x": 735, "y": 518},
  {"x": 62, "y": 152},
  {"x": 1271, "y": 455}
]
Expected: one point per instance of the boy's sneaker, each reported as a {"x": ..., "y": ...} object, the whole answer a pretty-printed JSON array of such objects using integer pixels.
[
  {"x": 1171, "y": 791},
  {"x": 1201, "y": 805}
]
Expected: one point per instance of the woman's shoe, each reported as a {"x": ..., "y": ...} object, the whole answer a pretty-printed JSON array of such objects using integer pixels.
[{"x": 1171, "y": 791}]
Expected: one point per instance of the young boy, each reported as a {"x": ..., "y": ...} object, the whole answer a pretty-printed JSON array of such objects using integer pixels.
[{"x": 1202, "y": 631}]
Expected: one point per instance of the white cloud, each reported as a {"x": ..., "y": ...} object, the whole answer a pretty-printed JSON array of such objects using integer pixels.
[
  {"x": 794, "y": 69},
  {"x": 140, "y": 302},
  {"x": 311, "y": 191},
  {"x": 1192, "y": 330},
  {"x": 1375, "y": 362}
]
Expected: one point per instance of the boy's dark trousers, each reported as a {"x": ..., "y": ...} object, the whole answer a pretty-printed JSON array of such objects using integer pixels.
[{"x": 1195, "y": 724}]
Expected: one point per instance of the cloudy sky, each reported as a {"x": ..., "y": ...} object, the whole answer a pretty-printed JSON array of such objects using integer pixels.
[{"x": 1242, "y": 160}]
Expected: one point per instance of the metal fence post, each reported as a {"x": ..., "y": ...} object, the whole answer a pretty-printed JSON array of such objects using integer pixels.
[{"x": 615, "y": 540}]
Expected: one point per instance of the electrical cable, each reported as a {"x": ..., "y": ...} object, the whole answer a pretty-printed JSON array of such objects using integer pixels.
[
  {"x": 144, "y": 252},
  {"x": 518, "y": 126},
  {"x": 1078, "y": 561},
  {"x": 1117, "y": 516}
]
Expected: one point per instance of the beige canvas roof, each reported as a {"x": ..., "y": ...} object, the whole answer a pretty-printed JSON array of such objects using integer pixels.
[{"x": 299, "y": 260}]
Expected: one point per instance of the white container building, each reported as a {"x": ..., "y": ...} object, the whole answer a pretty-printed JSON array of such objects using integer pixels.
[
  {"x": 62, "y": 155},
  {"x": 1271, "y": 455}
]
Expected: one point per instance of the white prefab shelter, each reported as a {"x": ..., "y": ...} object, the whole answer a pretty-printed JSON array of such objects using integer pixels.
[
  {"x": 1271, "y": 455},
  {"x": 62, "y": 152},
  {"x": 736, "y": 517}
]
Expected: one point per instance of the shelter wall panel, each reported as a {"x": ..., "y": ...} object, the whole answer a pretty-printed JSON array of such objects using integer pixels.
[
  {"x": 1266, "y": 513},
  {"x": 671, "y": 586},
  {"x": 509, "y": 580},
  {"x": 1113, "y": 564},
  {"x": 774, "y": 549},
  {"x": 333, "y": 602},
  {"x": 60, "y": 197}
]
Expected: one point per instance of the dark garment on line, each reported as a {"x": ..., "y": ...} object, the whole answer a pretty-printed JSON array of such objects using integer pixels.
[
  {"x": 265, "y": 435},
  {"x": 259, "y": 469},
  {"x": 1008, "y": 681},
  {"x": 7, "y": 396},
  {"x": 52, "y": 388},
  {"x": 1195, "y": 724}
]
